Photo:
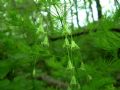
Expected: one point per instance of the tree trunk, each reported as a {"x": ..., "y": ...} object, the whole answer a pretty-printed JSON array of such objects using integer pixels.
[{"x": 99, "y": 9}]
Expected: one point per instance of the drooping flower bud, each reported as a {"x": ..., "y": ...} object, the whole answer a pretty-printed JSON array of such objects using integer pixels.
[
  {"x": 73, "y": 80},
  {"x": 40, "y": 30},
  {"x": 34, "y": 72},
  {"x": 45, "y": 41},
  {"x": 66, "y": 43},
  {"x": 70, "y": 65},
  {"x": 74, "y": 45},
  {"x": 89, "y": 77},
  {"x": 66, "y": 30},
  {"x": 82, "y": 66},
  {"x": 69, "y": 88}
]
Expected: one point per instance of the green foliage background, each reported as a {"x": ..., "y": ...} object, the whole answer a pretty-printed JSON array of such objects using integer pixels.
[{"x": 27, "y": 62}]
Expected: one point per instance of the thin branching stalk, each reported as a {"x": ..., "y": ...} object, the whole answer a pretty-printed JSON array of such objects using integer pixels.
[
  {"x": 117, "y": 4},
  {"x": 65, "y": 10},
  {"x": 49, "y": 16},
  {"x": 60, "y": 18}
]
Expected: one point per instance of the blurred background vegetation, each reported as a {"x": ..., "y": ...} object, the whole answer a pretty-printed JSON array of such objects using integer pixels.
[{"x": 43, "y": 45}]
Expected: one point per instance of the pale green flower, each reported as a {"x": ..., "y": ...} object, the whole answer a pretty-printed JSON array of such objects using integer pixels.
[
  {"x": 82, "y": 66},
  {"x": 89, "y": 77},
  {"x": 110, "y": 87},
  {"x": 40, "y": 30},
  {"x": 69, "y": 88},
  {"x": 66, "y": 30},
  {"x": 74, "y": 45},
  {"x": 79, "y": 87},
  {"x": 45, "y": 41},
  {"x": 73, "y": 80},
  {"x": 34, "y": 72},
  {"x": 70, "y": 65},
  {"x": 66, "y": 43}
]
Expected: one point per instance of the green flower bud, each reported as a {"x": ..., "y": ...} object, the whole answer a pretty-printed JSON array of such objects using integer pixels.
[
  {"x": 89, "y": 77},
  {"x": 45, "y": 42},
  {"x": 74, "y": 45},
  {"x": 66, "y": 43},
  {"x": 73, "y": 80},
  {"x": 110, "y": 87},
  {"x": 82, "y": 66},
  {"x": 66, "y": 30},
  {"x": 40, "y": 30},
  {"x": 34, "y": 72},
  {"x": 69, "y": 88},
  {"x": 70, "y": 65},
  {"x": 79, "y": 87}
]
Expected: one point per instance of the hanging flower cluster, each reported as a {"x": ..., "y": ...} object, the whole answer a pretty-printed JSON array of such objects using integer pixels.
[
  {"x": 71, "y": 45},
  {"x": 70, "y": 65},
  {"x": 74, "y": 45}
]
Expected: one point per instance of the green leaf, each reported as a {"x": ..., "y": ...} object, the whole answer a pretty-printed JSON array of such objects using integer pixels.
[{"x": 4, "y": 68}]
